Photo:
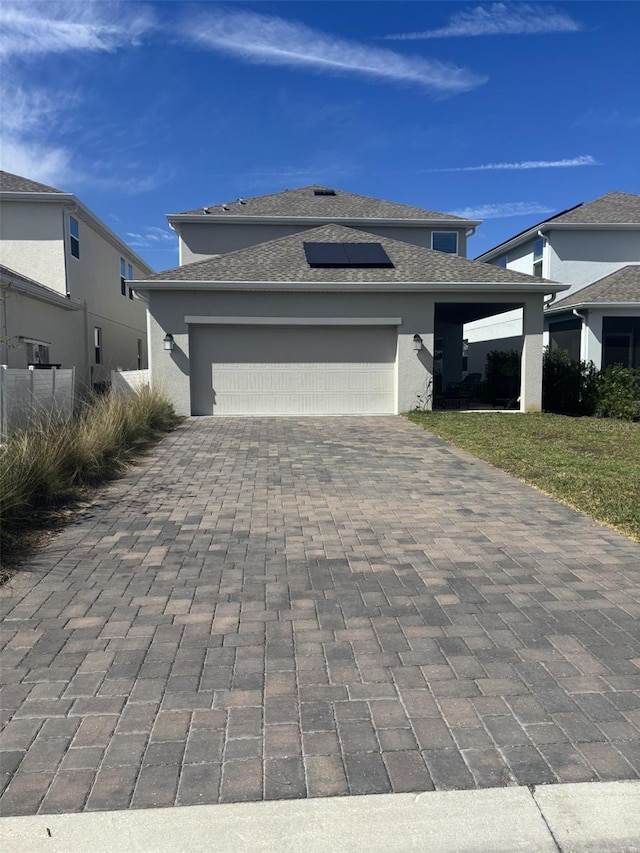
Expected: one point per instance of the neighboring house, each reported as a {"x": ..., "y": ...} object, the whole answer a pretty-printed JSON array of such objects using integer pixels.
[
  {"x": 328, "y": 319},
  {"x": 587, "y": 247},
  {"x": 65, "y": 297}
]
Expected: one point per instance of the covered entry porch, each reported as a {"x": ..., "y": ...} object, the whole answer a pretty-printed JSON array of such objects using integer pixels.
[{"x": 455, "y": 386}]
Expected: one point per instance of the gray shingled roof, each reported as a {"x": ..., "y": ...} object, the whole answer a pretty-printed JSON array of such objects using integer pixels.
[
  {"x": 17, "y": 184},
  {"x": 614, "y": 207},
  {"x": 342, "y": 205},
  {"x": 621, "y": 286},
  {"x": 284, "y": 260}
]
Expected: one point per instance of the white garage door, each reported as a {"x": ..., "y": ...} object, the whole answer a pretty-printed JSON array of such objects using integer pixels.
[{"x": 293, "y": 370}]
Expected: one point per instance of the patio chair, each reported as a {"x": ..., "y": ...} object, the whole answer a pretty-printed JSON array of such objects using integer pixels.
[{"x": 457, "y": 393}]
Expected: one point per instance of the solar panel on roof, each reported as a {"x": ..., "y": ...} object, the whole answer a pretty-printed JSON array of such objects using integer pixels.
[
  {"x": 367, "y": 255},
  {"x": 324, "y": 192},
  {"x": 344, "y": 255},
  {"x": 325, "y": 254}
]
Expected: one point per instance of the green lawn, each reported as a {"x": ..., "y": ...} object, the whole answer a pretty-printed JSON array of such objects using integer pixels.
[{"x": 591, "y": 464}]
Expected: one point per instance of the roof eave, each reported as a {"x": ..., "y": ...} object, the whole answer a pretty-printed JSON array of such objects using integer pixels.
[
  {"x": 40, "y": 292},
  {"x": 246, "y": 219},
  {"x": 557, "y": 309},
  {"x": 545, "y": 287}
]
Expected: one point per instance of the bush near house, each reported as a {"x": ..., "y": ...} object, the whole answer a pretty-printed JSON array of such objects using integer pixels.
[
  {"x": 53, "y": 461},
  {"x": 502, "y": 376},
  {"x": 618, "y": 393},
  {"x": 569, "y": 387}
]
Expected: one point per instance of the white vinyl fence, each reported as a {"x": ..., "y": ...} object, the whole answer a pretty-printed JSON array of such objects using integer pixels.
[
  {"x": 129, "y": 380},
  {"x": 28, "y": 393}
]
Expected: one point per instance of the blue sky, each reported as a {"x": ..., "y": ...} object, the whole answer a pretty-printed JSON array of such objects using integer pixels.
[{"x": 506, "y": 112}]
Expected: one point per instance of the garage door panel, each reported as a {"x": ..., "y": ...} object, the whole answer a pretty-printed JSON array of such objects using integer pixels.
[{"x": 239, "y": 370}]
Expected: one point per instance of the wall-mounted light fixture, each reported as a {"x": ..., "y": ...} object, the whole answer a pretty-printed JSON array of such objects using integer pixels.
[
  {"x": 417, "y": 342},
  {"x": 168, "y": 342}
]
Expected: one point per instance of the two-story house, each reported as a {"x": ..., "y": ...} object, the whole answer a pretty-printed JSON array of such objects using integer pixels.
[
  {"x": 595, "y": 249},
  {"x": 65, "y": 293},
  {"x": 318, "y": 301}
]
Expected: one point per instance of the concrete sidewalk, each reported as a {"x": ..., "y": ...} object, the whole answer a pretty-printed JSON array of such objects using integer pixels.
[{"x": 574, "y": 818}]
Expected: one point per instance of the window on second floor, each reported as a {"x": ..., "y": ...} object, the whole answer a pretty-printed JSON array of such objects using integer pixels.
[
  {"x": 445, "y": 241},
  {"x": 74, "y": 237},
  {"x": 502, "y": 262},
  {"x": 130, "y": 277},
  {"x": 537, "y": 257},
  {"x": 123, "y": 270}
]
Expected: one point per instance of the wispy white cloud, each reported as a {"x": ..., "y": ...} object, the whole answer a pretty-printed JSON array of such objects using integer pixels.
[
  {"x": 499, "y": 19},
  {"x": 58, "y": 26},
  {"x": 606, "y": 119},
  {"x": 152, "y": 237},
  {"x": 502, "y": 211},
  {"x": 30, "y": 141},
  {"x": 48, "y": 164},
  {"x": 583, "y": 160},
  {"x": 269, "y": 40}
]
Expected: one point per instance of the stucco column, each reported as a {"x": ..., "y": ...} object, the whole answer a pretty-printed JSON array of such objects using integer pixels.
[
  {"x": 415, "y": 369},
  {"x": 591, "y": 338},
  {"x": 531, "y": 365}
]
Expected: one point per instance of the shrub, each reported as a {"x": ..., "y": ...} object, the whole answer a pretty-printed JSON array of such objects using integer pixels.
[
  {"x": 569, "y": 387},
  {"x": 619, "y": 393},
  {"x": 52, "y": 460},
  {"x": 502, "y": 376}
]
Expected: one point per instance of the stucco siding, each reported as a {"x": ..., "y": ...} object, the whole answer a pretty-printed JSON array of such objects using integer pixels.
[
  {"x": 203, "y": 240},
  {"x": 171, "y": 370},
  {"x": 579, "y": 258},
  {"x": 21, "y": 317},
  {"x": 94, "y": 278},
  {"x": 32, "y": 242}
]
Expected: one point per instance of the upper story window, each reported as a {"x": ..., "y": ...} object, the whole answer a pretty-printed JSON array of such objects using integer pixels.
[
  {"x": 445, "y": 241},
  {"x": 537, "y": 257},
  {"x": 123, "y": 271},
  {"x": 502, "y": 262},
  {"x": 74, "y": 237},
  {"x": 130, "y": 277}
]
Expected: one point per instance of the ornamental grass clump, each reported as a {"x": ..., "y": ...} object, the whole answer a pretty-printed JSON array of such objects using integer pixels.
[{"x": 51, "y": 461}]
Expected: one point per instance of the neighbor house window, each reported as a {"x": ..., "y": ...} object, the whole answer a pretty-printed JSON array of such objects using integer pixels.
[
  {"x": 37, "y": 352},
  {"x": 537, "y": 257},
  {"x": 502, "y": 262},
  {"x": 139, "y": 354},
  {"x": 445, "y": 241},
  {"x": 123, "y": 270},
  {"x": 74, "y": 237},
  {"x": 97, "y": 344}
]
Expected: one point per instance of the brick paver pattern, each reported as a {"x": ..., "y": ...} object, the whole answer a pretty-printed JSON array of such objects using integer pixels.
[{"x": 275, "y": 608}]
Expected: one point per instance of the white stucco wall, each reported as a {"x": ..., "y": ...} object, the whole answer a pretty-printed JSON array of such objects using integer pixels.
[
  {"x": 22, "y": 316},
  {"x": 32, "y": 241},
  {"x": 203, "y": 240},
  {"x": 581, "y": 257},
  {"x": 171, "y": 370},
  {"x": 94, "y": 278}
]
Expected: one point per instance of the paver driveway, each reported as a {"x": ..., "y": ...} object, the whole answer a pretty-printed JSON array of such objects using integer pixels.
[{"x": 285, "y": 608}]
